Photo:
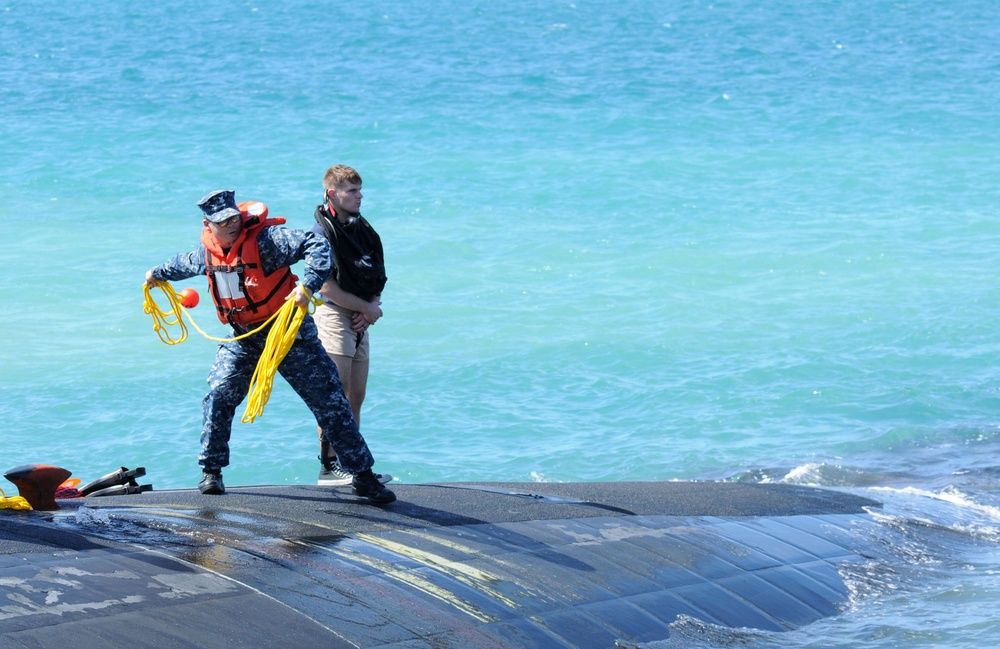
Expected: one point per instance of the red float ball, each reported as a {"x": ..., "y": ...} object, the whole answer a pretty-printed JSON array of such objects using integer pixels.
[{"x": 189, "y": 298}]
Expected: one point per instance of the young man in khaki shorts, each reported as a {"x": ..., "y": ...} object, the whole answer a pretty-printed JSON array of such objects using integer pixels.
[{"x": 353, "y": 295}]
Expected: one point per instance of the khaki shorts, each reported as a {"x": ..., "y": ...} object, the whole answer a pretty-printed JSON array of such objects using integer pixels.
[{"x": 334, "y": 324}]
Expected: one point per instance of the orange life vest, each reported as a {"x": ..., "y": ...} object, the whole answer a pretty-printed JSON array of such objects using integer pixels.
[{"x": 242, "y": 293}]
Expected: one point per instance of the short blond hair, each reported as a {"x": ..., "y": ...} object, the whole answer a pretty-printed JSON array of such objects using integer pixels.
[{"x": 339, "y": 174}]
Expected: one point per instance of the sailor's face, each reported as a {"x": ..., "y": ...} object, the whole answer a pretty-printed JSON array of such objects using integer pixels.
[
  {"x": 226, "y": 232},
  {"x": 346, "y": 199}
]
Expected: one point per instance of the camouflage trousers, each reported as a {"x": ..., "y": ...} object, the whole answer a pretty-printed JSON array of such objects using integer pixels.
[{"x": 310, "y": 372}]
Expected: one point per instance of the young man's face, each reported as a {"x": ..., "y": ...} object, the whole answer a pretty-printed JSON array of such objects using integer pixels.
[{"x": 346, "y": 199}]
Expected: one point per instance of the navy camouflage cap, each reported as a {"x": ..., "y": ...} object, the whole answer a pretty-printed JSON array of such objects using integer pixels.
[{"x": 219, "y": 205}]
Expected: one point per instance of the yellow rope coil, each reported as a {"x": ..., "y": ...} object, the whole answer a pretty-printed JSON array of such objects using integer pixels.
[
  {"x": 163, "y": 319},
  {"x": 280, "y": 339},
  {"x": 14, "y": 502}
]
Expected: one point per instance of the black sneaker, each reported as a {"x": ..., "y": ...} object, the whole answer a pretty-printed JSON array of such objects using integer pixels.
[
  {"x": 211, "y": 483},
  {"x": 367, "y": 485},
  {"x": 331, "y": 474}
]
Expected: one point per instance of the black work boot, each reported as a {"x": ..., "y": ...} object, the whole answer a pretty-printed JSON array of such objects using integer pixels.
[
  {"x": 211, "y": 483},
  {"x": 367, "y": 485}
]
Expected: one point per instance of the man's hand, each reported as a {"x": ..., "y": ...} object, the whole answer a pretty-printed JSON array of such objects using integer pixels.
[
  {"x": 361, "y": 320},
  {"x": 300, "y": 296}
]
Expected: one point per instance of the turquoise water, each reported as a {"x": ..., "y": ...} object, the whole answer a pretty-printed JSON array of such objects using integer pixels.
[{"x": 628, "y": 241}]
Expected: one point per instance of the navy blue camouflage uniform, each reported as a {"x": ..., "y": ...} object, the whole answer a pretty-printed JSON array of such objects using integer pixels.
[{"x": 307, "y": 367}]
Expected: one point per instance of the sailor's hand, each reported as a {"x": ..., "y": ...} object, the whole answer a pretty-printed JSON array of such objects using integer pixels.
[
  {"x": 300, "y": 296},
  {"x": 150, "y": 282}
]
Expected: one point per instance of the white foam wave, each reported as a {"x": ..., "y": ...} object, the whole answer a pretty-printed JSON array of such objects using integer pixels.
[
  {"x": 948, "y": 495},
  {"x": 806, "y": 474}
]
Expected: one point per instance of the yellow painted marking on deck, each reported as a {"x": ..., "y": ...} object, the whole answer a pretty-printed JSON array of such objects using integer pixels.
[
  {"x": 473, "y": 577},
  {"x": 412, "y": 579}
]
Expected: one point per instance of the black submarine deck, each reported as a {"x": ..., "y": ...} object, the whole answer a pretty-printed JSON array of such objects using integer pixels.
[{"x": 446, "y": 566}]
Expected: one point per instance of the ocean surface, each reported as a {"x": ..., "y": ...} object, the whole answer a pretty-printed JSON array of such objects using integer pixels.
[{"x": 640, "y": 240}]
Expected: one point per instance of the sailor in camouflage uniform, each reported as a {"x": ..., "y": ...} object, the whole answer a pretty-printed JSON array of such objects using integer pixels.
[{"x": 261, "y": 254}]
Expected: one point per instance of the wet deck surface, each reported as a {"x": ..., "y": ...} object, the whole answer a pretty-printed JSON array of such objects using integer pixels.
[{"x": 448, "y": 565}]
